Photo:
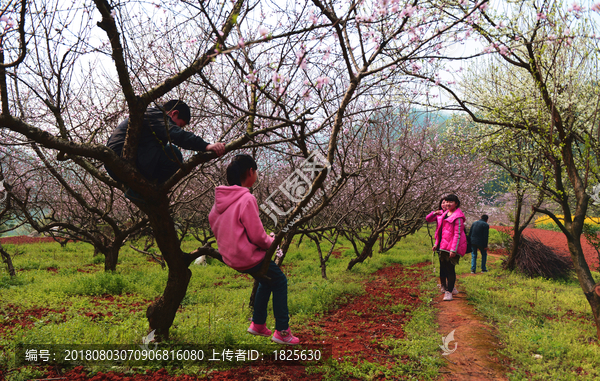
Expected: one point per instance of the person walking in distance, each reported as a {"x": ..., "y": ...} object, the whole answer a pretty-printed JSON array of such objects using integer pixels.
[{"x": 479, "y": 234}]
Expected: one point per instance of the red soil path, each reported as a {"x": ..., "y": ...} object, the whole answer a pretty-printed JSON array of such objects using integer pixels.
[
  {"x": 21, "y": 239},
  {"x": 476, "y": 357},
  {"x": 558, "y": 241},
  {"x": 354, "y": 330}
]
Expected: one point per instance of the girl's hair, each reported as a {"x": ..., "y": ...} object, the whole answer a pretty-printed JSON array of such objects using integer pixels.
[
  {"x": 440, "y": 204},
  {"x": 452, "y": 197},
  {"x": 238, "y": 169}
]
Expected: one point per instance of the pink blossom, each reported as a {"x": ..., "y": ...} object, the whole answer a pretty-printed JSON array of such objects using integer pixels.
[
  {"x": 241, "y": 42},
  {"x": 264, "y": 32},
  {"x": 503, "y": 50},
  {"x": 576, "y": 7},
  {"x": 113, "y": 13},
  {"x": 321, "y": 81},
  {"x": 596, "y": 7},
  {"x": 278, "y": 78},
  {"x": 541, "y": 16},
  {"x": 313, "y": 18},
  {"x": 279, "y": 253},
  {"x": 305, "y": 94},
  {"x": 484, "y": 7},
  {"x": 407, "y": 11},
  {"x": 251, "y": 77}
]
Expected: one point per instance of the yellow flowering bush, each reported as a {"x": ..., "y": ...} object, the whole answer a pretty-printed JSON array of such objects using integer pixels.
[{"x": 545, "y": 222}]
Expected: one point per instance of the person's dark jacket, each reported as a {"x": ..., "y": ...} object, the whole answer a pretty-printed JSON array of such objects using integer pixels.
[
  {"x": 154, "y": 138},
  {"x": 480, "y": 233}
]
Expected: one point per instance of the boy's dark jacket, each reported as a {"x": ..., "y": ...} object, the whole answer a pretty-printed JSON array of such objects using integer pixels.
[
  {"x": 153, "y": 139},
  {"x": 479, "y": 233}
]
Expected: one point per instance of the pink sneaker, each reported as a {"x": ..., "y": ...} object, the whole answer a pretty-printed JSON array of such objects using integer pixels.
[
  {"x": 447, "y": 296},
  {"x": 455, "y": 291},
  {"x": 285, "y": 337},
  {"x": 259, "y": 329}
]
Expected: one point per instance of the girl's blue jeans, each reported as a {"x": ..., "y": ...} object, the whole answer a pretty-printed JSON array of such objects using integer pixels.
[{"x": 278, "y": 287}]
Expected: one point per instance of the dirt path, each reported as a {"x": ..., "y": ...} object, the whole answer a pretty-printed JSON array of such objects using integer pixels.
[{"x": 476, "y": 356}]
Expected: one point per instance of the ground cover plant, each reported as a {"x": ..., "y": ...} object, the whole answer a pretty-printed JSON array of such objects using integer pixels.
[
  {"x": 544, "y": 326},
  {"x": 61, "y": 295}
]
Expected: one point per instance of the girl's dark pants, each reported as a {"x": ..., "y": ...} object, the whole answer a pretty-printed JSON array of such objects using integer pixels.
[
  {"x": 276, "y": 285},
  {"x": 447, "y": 269}
]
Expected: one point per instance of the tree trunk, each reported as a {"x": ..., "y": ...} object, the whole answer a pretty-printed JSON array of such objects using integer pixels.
[
  {"x": 514, "y": 250},
  {"x": 161, "y": 312},
  {"x": 586, "y": 280},
  {"x": 253, "y": 294},
  {"x": 516, "y": 241},
  {"x": 6, "y": 259},
  {"x": 324, "y": 269},
  {"x": 111, "y": 256},
  {"x": 366, "y": 252}
]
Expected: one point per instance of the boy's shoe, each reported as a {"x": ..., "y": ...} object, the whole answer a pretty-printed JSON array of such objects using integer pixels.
[
  {"x": 472, "y": 272},
  {"x": 285, "y": 337},
  {"x": 454, "y": 291},
  {"x": 484, "y": 271},
  {"x": 259, "y": 330},
  {"x": 442, "y": 288},
  {"x": 447, "y": 296}
]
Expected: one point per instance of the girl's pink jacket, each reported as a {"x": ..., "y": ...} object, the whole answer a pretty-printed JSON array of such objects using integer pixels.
[
  {"x": 239, "y": 231},
  {"x": 451, "y": 230}
]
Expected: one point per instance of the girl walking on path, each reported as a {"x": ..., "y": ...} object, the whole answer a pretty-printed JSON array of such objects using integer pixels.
[
  {"x": 242, "y": 242},
  {"x": 436, "y": 216},
  {"x": 450, "y": 241}
]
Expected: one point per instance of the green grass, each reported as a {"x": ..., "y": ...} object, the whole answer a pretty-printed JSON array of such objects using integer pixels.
[
  {"x": 546, "y": 327},
  {"x": 85, "y": 305}
]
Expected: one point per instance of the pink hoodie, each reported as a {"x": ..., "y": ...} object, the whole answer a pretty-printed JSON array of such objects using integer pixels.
[
  {"x": 451, "y": 230},
  {"x": 239, "y": 231}
]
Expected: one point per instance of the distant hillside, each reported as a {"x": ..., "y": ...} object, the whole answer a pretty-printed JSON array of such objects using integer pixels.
[{"x": 434, "y": 117}]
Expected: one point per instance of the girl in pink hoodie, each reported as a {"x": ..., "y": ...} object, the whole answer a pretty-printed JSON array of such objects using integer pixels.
[
  {"x": 242, "y": 243},
  {"x": 451, "y": 241}
]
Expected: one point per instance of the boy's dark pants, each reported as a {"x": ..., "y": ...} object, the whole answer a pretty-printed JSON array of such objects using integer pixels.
[{"x": 168, "y": 163}]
